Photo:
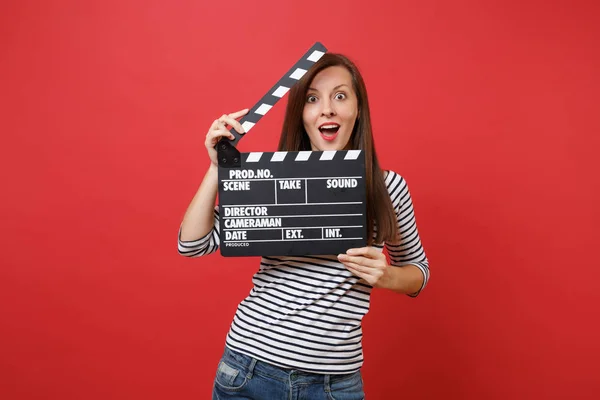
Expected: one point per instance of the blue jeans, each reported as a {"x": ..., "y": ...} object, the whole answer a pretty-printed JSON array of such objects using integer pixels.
[{"x": 243, "y": 377}]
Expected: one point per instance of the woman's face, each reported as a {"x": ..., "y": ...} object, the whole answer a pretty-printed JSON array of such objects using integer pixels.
[{"x": 330, "y": 109}]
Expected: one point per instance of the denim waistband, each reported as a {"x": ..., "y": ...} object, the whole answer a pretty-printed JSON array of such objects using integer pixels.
[{"x": 283, "y": 374}]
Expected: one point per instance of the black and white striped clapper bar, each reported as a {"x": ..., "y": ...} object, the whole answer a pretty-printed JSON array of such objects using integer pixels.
[{"x": 290, "y": 203}]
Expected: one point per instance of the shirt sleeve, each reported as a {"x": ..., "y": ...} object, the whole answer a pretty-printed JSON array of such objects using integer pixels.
[
  {"x": 205, "y": 245},
  {"x": 407, "y": 250}
]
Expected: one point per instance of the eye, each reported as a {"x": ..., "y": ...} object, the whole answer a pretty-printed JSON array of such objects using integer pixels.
[
  {"x": 311, "y": 99},
  {"x": 340, "y": 96}
]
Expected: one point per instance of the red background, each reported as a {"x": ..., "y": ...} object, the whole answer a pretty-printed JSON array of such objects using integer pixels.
[{"x": 488, "y": 108}]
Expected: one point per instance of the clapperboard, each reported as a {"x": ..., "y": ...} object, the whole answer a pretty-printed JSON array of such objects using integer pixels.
[{"x": 290, "y": 203}]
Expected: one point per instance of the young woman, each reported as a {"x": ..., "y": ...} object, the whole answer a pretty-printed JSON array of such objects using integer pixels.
[{"x": 298, "y": 333}]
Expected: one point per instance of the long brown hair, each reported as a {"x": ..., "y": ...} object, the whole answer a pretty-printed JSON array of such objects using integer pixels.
[{"x": 381, "y": 216}]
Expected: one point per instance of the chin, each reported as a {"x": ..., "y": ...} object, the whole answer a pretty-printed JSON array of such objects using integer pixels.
[{"x": 328, "y": 146}]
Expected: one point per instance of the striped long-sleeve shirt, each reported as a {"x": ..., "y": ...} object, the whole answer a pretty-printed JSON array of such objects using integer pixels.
[{"x": 305, "y": 312}]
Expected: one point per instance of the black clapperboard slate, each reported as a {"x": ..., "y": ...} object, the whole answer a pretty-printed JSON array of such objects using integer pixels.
[
  {"x": 289, "y": 203},
  {"x": 293, "y": 203}
]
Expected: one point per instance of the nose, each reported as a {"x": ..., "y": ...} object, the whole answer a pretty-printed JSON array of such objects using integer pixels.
[{"x": 327, "y": 109}]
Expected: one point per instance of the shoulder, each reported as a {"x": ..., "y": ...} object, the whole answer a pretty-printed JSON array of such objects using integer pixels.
[
  {"x": 397, "y": 188},
  {"x": 393, "y": 180}
]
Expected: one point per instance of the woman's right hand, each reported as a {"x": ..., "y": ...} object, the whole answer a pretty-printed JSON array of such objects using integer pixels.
[{"x": 218, "y": 129}]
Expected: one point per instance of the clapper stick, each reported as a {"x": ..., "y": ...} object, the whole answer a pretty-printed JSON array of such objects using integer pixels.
[{"x": 228, "y": 156}]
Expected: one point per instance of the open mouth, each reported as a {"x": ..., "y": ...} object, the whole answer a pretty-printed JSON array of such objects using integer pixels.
[{"x": 329, "y": 131}]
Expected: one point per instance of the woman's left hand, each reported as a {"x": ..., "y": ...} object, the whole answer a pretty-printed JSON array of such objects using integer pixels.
[{"x": 367, "y": 263}]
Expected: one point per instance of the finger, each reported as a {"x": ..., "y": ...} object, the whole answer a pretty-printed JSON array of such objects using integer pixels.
[
  {"x": 240, "y": 113},
  {"x": 225, "y": 134},
  {"x": 356, "y": 267},
  {"x": 368, "y": 251},
  {"x": 359, "y": 260},
  {"x": 216, "y": 135},
  {"x": 360, "y": 251},
  {"x": 228, "y": 120},
  {"x": 220, "y": 130},
  {"x": 355, "y": 270}
]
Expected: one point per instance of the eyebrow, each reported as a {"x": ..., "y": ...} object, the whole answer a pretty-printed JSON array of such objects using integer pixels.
[{"x": 335, "y": 88}]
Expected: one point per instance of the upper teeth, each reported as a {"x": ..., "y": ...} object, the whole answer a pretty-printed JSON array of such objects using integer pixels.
[{"x": 329, "y": 126}]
